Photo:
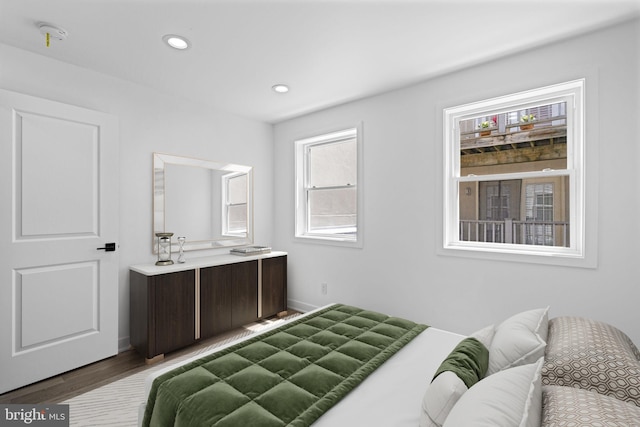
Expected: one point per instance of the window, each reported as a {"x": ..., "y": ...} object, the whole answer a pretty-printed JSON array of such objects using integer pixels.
[
  {"x": 234, "y": 206},
  {"x": 540, "y": 215},
  {"x": 514, "y": 175},
  {"x": 329, "y": 188}
]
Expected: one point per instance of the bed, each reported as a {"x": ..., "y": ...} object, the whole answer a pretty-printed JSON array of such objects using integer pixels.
[{"x": 433, "y": 378}]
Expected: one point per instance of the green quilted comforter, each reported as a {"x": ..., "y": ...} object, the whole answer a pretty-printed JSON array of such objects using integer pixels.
[{"x": 288, "y": 376}]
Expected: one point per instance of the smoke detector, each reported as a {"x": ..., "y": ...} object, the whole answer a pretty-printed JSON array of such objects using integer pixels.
[{"x": 52, "y": 31}]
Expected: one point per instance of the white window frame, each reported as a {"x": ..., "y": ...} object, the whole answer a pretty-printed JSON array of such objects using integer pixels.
[
  {"x": 301, "y": 179},
  {"x": 576, "y": 254}
]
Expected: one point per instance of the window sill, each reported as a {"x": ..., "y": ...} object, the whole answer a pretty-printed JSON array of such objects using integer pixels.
[
  {"x": 331, "y": 241},
  {"x": 515, "y": 253}
]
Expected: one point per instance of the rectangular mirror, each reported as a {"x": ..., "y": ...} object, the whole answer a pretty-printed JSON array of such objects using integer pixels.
[{"x": 209, "y": 203}]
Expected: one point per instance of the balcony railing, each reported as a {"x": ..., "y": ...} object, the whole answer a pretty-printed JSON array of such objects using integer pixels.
[
  {"x": 552, "y": 130},
  {"x": 544, "y": 233}
]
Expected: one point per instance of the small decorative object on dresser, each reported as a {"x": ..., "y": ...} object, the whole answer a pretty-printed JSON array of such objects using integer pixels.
[
  {"x": 250, "y": 250},
  {"x": 164, "y": 249},
  {"x": 181, "y": 241}
]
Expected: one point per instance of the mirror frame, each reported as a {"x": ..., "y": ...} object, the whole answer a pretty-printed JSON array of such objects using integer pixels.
[{"x": 160, "y": 160}]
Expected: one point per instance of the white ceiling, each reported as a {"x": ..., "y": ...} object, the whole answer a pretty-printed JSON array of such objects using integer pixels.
[{"x": 328, "y": 51}]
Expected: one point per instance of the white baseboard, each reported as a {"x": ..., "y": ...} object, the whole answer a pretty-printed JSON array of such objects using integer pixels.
[{"x": 300, "y": 306}]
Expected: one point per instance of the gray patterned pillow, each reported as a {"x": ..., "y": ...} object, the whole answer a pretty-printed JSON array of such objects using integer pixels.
[
  {"x": 568, "y": 406},
  {"x": 592, "y": 355}
]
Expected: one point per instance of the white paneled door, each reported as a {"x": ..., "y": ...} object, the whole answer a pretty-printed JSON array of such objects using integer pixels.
[{"x": 58, "y": 213}]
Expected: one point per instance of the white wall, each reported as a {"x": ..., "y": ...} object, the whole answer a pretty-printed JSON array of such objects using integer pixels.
[
  {"x": 149, "y": 121},
  {"x": 395, "y": 273},
  {"x": 399, "y": 272}
]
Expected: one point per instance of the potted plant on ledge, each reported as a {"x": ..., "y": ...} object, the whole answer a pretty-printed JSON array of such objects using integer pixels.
[
  {"x": 486, "y": 127},
  {"x": 526, "y": 122}
]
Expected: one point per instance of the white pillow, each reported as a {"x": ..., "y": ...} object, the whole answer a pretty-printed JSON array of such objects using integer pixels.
[
  {"x": 442, "y": 394},
  {"x": 485, "y": 335},
  {"x": 519, "y": 340},
  {"x": 510, "y": 398}
]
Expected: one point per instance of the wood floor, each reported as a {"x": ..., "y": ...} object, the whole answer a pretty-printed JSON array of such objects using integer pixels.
[
  {"x": 82, "y": 380},
  {"x": 78, "y": 381}
]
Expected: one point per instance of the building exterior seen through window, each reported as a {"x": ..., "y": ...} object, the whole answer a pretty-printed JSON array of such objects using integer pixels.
[
  {"x": 528, "y": 210},
  {"x": 332, "y": 187}
]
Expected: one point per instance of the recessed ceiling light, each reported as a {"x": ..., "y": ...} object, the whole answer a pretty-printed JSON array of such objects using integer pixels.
[
  {"x": 176, "y": 42},
  {"x": 280, "y": 88}
]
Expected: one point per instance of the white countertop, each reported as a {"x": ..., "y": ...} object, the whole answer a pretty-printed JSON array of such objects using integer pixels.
[{"x": 193, "y": 263}]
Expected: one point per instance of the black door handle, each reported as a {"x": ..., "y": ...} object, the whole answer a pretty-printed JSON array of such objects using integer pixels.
[{"x": 108, "y": 247}]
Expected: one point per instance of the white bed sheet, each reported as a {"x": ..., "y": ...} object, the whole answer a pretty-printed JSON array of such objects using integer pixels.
[{"x": 390, "y": 396}]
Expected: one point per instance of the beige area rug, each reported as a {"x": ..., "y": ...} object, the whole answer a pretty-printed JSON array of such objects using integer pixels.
[{"x": 117, "y": 404}]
